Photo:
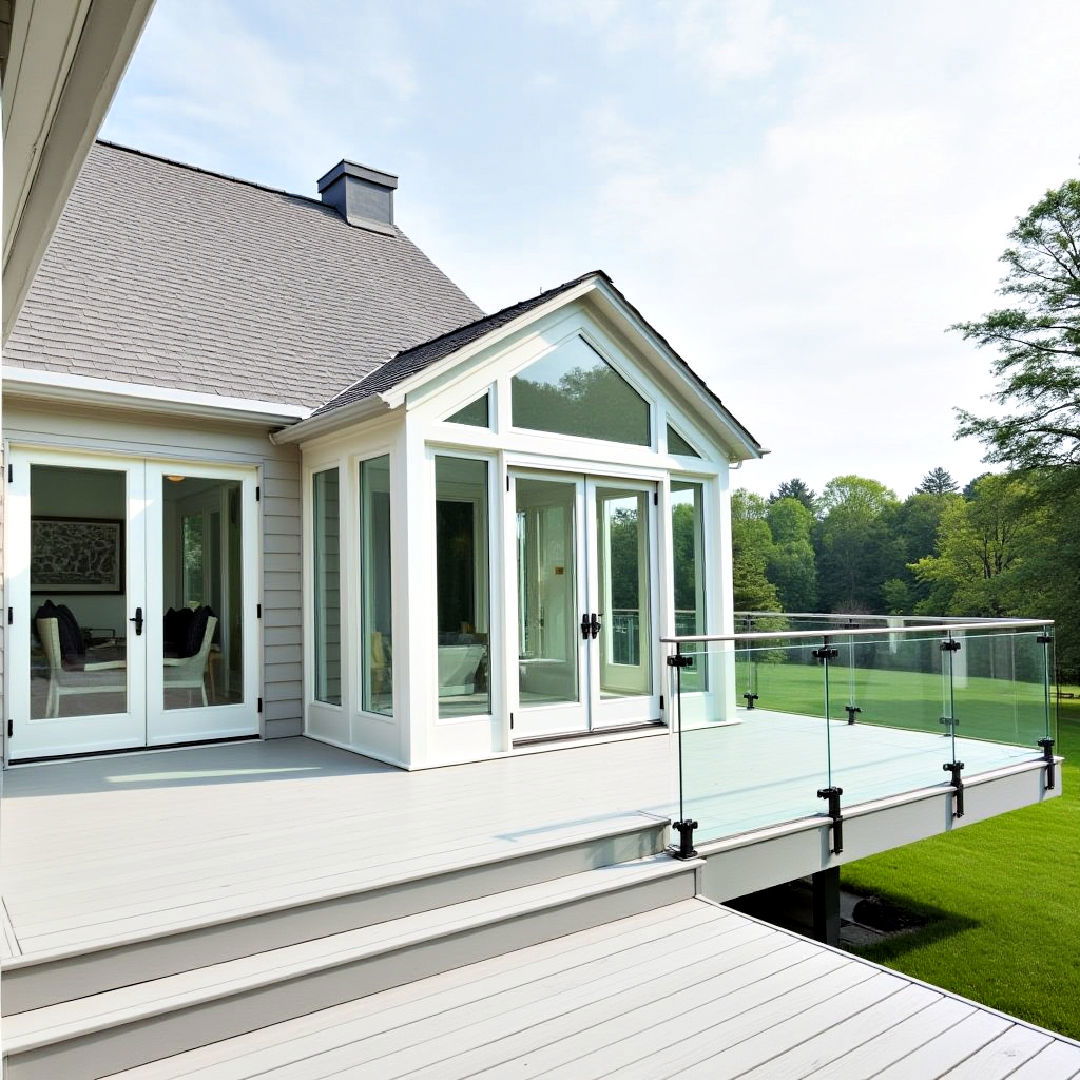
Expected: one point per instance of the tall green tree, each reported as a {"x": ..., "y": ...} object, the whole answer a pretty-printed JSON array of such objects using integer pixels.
[
  {"x": 937, "y": 481},
  {"x": 792, "y": 565},
  {"x": 984, "y": 545},
  {"x": 751, "y": 544},
  {"x": 795, "y": 489},
  {"x": 1037, "y": 339},
  {"x": 856, "y": 549}
]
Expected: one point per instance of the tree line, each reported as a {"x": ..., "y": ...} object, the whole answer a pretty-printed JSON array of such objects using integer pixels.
[{"x": 1007, "y": 543}]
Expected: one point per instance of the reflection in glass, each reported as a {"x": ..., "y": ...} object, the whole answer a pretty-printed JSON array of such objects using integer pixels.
[
  {"x": 202, "y": 592},
  {"x": 547, "y": 592},
  {"x": 574, "y": 391},
  {"x": 461, "y": 517},
  {"x": 688, "y": 557},
  {"x": 326, "y": 584},
  {"x": 623, "y": 568},
  {"x": 78, "y": 581},
  {"x": 475, "y": 414},
  {"x": 375, "y": 568}
]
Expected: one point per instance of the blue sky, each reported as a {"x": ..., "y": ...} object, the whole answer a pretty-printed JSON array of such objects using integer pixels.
[{"x": 800, "y": 196}]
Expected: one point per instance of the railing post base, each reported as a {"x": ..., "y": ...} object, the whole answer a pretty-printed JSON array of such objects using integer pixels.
[
  {"x": 833, "y": 795},
  {"x": 1047, "y": 745},
  {"x": 685, "y": 829},
  {"x": 851, "y": 710},
  {"x": 955, "y": 768},
  {"x": 750, "y": 699}
]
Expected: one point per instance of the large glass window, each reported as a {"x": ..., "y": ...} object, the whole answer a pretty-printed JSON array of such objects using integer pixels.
[
  {"x": 688, "y": 551},
  {"x": 461, "y": 516},
  {"x": 375, "y": 573},
  {"x": 326, "y": 581},
  {"x": 573, "y": 390}
]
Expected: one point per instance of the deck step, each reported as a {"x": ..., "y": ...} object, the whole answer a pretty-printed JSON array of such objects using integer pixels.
[
  {"x": 221, "y": 932},
  {"x": 121, "y": 1028}
]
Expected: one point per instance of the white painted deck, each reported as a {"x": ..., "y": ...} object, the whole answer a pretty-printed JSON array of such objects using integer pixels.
[
  {"x": 687, "y": 990},
  {"x": 127, "y": 847}
]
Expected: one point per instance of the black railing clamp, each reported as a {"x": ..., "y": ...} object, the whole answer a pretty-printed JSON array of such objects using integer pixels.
[
  {"x": 825, "y": 654},
  {"x": 833, "y": 795},
  {"x": 1047, "y": 745},
  {"x": 1044, "y": 639},
  {"x": 955, "y": 768},
  {"x": 851, "y": 710},
  {"x": 685, "y": 829},
  {"x": 952, "y": 645},
  {"x": 750, "y": 699},
  {"x": 950, "y": 722},
  {"x": 680, "y": 660}
]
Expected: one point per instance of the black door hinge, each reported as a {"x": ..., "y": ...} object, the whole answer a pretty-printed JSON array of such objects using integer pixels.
[
  {"x": 511, "y": 721},
  {"x": 10, "y": 616},
  {"x": 260, "y": 707},
  {"x": 10, "y": 727},
  {"x": 258, "y": 493},
  {"x": 656, "y": 498},
  {"x": 952, "y": 645},
  {"x": 507, "y": 483},
  {"x": 661, "y": 702},
  {"x": 10, "y": 473},
  {"x": 258, "y": 611}
]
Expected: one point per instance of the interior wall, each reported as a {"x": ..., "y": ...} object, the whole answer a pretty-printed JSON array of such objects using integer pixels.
[{"x": 82, "y": 493}]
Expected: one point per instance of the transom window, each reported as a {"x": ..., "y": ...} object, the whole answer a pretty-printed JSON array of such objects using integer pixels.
[{"x": 573, "y": 390}]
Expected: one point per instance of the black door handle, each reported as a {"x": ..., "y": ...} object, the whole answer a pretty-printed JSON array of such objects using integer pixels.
[
  {"x": 138, "y": 621},
  {"x": 586, "y": 626},
  {"x": 594, "y": 626}
]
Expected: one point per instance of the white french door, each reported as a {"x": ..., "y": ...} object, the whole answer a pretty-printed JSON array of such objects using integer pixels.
[
  {"x": 98, "y": 549},
  {"x": 586, "y": 599}
]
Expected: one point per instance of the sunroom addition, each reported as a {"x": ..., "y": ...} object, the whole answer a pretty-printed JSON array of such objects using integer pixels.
[{"x": 500, "y": 527}]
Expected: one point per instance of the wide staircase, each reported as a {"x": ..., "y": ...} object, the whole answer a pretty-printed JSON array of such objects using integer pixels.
[{"x": 146, "y": 996}]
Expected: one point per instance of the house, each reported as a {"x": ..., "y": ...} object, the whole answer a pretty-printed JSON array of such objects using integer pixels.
[
  {"x": 282, "y": 502},
  {"x": 209, "y": 378}
]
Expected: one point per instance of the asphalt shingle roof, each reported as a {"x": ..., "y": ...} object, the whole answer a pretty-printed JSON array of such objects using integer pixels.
[
  {"x": 410, "y": 361},
  {"x": 164, "y": 274}
]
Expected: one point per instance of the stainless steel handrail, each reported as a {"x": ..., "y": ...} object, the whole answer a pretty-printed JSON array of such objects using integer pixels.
[
  {"x": 943, "y": 628},
  {"x": 879, "y": 618}
]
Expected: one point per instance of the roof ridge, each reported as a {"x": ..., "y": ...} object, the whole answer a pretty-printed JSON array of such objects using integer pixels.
[{"x": 209, "y": 172}]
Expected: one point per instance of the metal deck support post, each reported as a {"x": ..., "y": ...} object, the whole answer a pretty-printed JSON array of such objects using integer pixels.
[
  {"x": 826, "y": 905},
  {"x": 955, "y": 768},
  {"x": 833, "y": 795},
  {"x": 1048, "y": 756}
]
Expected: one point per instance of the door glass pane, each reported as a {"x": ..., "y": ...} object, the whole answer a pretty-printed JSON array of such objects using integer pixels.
[
  {"x": 574, "y": 391},
  {"x": 461, "y": 516},
  {"x": 375, "y": 572},
  {"x": 326, "y": 585},
  {"x": 548, "y": 616},
  {"x": 202, "y": 577},
  {"x": 623, "y": 570},
  {"x": 78, "y": 582},
  {"x": 688, "y": 551}
]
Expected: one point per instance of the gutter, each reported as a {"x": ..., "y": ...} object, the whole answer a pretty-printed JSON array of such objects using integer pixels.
[
  {"x": 313, "y": 426},
  {"x": 59, "y": 386}
]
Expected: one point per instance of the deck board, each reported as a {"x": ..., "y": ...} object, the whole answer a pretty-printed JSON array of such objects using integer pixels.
[
  {"x": 690, "y": 990},
  {"x": 147, "y": 843}
]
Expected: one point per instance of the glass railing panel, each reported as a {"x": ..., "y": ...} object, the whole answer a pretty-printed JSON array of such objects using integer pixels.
[
  {"x": 1001, "y": 694},
  {"x": 888, "y": 708},
  {"x": 743, "y": 769}
]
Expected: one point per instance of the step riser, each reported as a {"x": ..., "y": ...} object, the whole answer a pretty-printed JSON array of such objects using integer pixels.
[
  {"x": 172, "y": 1033},
  {"x": 80, "y": 976}
]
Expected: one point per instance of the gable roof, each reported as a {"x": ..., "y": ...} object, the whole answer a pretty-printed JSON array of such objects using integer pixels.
[
  {"x": 164, "y": 274},
  {"x": 410, "y": 361}
]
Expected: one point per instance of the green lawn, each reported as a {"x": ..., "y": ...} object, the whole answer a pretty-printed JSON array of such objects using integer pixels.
[
  {"x": 1005, "y": 897},
  {"x": 1005, "y": 709}
]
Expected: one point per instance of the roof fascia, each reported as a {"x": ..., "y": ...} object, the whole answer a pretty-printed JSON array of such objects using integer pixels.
[
  {"x": 311, "y": 428},
  {"x": 396, "y": 395},
  {"x": 57, "y": 386},
  {"x": 748, "y": 447}
]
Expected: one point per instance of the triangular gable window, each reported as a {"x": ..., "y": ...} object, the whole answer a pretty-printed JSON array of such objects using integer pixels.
[
  {"x": 676, "y": 444},
  {"x": 475, "y": 414},
  {"x": 573, "y": 390}
]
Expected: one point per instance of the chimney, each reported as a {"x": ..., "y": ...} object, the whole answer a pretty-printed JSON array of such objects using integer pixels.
[{"x": 363, "y": 197}]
